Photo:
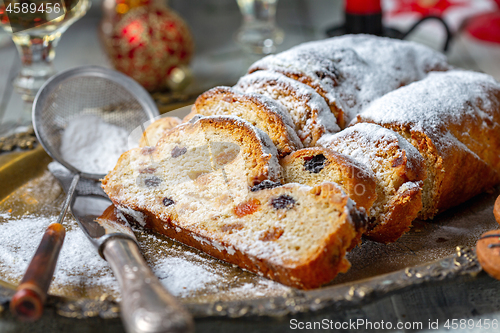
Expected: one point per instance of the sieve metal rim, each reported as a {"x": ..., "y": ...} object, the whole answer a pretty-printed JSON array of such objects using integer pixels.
[{"x": 141, "y": 95}]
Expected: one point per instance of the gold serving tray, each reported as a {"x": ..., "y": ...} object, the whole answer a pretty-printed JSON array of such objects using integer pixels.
[{"x": 84, "y": 286}]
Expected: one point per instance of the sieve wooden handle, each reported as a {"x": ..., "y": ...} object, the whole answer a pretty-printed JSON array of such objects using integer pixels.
[{"x": 27, "y": 302}]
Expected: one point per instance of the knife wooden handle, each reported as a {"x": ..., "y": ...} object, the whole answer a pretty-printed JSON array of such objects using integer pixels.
[
  {"x": 146, "y": 305},
  {"x": 27, "y": 302}
]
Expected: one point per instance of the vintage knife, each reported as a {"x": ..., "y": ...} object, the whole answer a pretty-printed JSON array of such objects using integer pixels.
[{"x": 146, "y": 306}]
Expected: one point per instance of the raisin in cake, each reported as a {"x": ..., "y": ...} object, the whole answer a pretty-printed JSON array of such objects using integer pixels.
[
  {"x": 315, "y": 165},
  {"x": 399, "y": 170},
  {"x": 351, "y": 71},
  {"x": 214, "y": 184},
  {"x": 259, "y": 110},
  {"x": 453, "y": 119}
]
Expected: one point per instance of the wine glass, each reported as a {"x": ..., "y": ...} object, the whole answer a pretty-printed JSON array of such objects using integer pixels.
[
  {"x": 36, "y": 27},
  {"x": 259, "y": 33}
]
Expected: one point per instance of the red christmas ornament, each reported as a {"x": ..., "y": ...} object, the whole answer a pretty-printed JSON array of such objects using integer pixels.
[{"x": 148, "y": 43}]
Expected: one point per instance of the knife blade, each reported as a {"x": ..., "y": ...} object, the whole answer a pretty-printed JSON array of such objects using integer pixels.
[
  {"x": 89, "y": 207},
  {"x": 146, "y": 305}
]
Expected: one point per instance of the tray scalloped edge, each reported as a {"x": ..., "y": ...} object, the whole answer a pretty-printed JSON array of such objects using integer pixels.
[{"x": 463, "y": 263}]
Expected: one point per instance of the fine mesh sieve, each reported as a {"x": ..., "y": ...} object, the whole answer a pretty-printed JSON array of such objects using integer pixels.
[
  {"x": 117, "y": 100},
  {"x": 114, "y": 97}
]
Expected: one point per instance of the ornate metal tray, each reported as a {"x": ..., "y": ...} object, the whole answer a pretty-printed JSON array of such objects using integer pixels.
[{"x": 85, "y": 287}]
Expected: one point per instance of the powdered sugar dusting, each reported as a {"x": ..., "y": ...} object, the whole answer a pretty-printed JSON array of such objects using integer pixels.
[
  {"x": 306, "y": 106},
  {"x": 180, "y": 281},
  {"x": 77, "y": 257},
  {"x": 267, "y": 145},
  {"x": 367, "y": 135},
  {"x": 363, "y": 67},
  {"x": 92, "y": 145},
  {"x": 283, "y": 113},
  {"x": 441, "y": 99},
  {"x": 80, "y": 269}
]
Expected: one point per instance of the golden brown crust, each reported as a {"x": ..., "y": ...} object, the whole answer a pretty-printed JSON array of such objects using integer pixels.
[
  {"x": 260, "y": 111},
  {"x": 355, "y": 179},
  {"x": 241, "y": 132},
  {"x": 318, "y": 268},
  {"x": 399, "y": 171},
  {"x": 350, "y": 72},
  {"x": 449, "y": 186},
  {"x": 403, "y": 208},
  {"x": 260, "y": 155},
  {"x": 481, "y": 135},
  {"x": 155, "y": 131},
  {"x": 337, "y": 112},
  {"x": 310, "y": 113},
  {"x": 453, "y": 119}
]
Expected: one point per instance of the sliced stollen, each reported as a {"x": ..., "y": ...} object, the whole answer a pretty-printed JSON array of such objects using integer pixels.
[
  {"x": 226, "y": 155},
  {"x": 309, "y": 112},
  {"x": 453, "y": 119},
  {"x": 216, "y": 200},
  {"x": 351, "y": 71},
  {"x": 155, "y": 130},
  {"x": 259, "y": 110},
  {"x": 399, "y": 170},
  {"x": 315, "y": 165}
]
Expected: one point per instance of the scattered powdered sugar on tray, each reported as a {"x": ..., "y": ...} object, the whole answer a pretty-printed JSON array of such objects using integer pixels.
[
  {"x": 19, "y": 239},
  {"x": 194, "y": 275},
  {"x": 179, "y": 276},
  {"x": 81, "y": 271},
  {"x": 92, "y": 145}
]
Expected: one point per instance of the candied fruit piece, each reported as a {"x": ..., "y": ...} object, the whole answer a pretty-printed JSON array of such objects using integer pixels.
[
  {"x": 398, "y": 161},
  {"x": 229, "y": 228},
  {"x": 225, "y": 157},
  {"x": 272, "y": 234},
  {"x": 147, "y": 170},
  {"x": 147, "y": 150},
  {"x": 247, "y": 207}
]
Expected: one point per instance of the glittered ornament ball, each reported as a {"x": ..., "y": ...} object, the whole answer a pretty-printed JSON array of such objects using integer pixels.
[{"x": 148, "y": 43}]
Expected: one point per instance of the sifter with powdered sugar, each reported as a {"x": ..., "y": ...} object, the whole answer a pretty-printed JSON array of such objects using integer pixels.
[{"x": 83, "y": 118}]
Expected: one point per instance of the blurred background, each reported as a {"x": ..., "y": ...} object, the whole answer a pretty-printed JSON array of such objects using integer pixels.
[{"x": 190, "y": 46}]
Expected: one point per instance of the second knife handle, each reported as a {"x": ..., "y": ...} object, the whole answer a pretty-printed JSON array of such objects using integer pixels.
[
  {"x": 146, "y": 305},
  {"x": 27, "y": 302}
]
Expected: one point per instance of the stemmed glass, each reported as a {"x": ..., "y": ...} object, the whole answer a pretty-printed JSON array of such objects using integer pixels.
[
  {"x": 259, "y": 33},
  {"x": 36, "y": 27}
]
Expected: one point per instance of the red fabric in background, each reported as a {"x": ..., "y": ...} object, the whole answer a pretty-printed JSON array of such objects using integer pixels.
[
  {"x": 485, "y": 27},
  {"x": 425, "y": 7},
  {"x": 363, "y": 6}
]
